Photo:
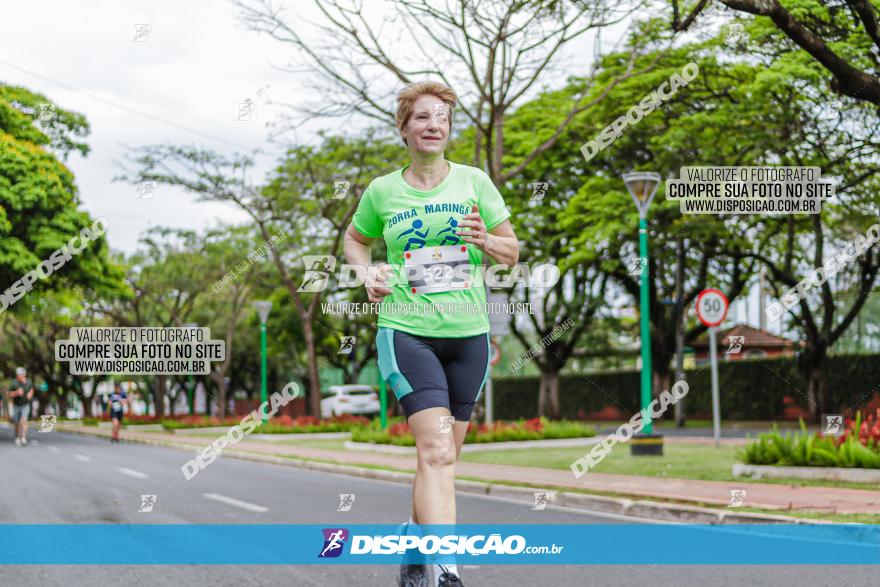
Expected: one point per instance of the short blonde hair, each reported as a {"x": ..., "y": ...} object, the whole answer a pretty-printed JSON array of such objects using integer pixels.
[{"x": 407, "y": 97}]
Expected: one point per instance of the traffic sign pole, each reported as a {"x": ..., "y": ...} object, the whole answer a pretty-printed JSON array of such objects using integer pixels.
[
  {"x": 494, "y": 357},
  {"x": 712, "y": 307},
  {"x": 716, "y": 400}
]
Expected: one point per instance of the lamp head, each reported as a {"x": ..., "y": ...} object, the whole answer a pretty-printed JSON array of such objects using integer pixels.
[
  {"x": 263, "y": 308},
  {"x": 642, "y": 185}
]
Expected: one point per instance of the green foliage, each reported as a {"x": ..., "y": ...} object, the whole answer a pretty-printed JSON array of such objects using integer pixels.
[
  {"x": 750, "y": 390},
  {"x": 398, "y": 433},
  {"x": 198, "y": 422},
  {"x": 39, "y": 204},
  {"x": 802, "y": 449}
]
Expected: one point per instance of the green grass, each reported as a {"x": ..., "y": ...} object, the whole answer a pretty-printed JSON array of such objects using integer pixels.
[
  {"x": 728, "y": 425},
  {"x": 686, "y": 461},
  {"x": 334, "y": 443},
  {"x": 836, "y": 518}
]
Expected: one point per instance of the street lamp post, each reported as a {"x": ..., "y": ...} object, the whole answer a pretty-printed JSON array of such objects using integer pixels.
[
  {"x": 642, "y": 185},
  {"x": 189, "y": 379},
  {"x": 263, "y": 308}
]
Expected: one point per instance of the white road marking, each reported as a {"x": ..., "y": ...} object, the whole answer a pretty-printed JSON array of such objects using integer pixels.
[
  {"x": 83, "y": 458},
  {"x": 54, "y": 448},
  {"x": 132, "y": 473},
  {"x": 236, "y": 502}
]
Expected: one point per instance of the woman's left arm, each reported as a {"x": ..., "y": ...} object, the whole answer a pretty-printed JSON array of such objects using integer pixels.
[{"x": 500, "y": 244}]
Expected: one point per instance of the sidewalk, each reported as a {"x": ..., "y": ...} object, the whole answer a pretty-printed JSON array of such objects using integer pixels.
[{"x": 758, "y": 495}]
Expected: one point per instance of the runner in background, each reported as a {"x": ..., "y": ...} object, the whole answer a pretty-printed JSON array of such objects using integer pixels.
[
  {"x": 117, "y": 401},
  {"x": 21, "y": 392}
]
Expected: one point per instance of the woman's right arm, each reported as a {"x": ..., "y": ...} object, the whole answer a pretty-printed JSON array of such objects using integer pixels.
[{"x": 357, "y": 252}]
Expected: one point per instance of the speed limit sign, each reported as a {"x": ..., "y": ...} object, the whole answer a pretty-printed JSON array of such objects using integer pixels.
[
  {"x": 494, "y": 353},
  {"x": 712, "y": 307}
]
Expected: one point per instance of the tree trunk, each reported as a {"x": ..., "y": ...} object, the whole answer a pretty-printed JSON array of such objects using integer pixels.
[
  {"x": 817, "y": 389},
  {"x": 548, "y": 395},
  {"x": 159, "y": 395},
  {"x": 661, "y": 375},
  {"x": 86, "y": 402},
  {"x": 314, "y": 380},
  {"x": 87, "y": 406},
  {"x": 217, "y": 377},
  {"x": 661, "y": 382}
]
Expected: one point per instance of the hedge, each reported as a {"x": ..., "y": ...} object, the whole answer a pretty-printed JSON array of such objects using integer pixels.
[{"x": 750, "y": 389}]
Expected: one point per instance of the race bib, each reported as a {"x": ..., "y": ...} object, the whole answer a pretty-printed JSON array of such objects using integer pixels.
[
  {"x": 437, "y": 269},
  {"x": 116, "y": 406}
]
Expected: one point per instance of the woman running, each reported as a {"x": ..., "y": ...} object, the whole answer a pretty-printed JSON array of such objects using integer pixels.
[
  {"x": 117, "y": 400},
  {"x": 440, "y": 221}
]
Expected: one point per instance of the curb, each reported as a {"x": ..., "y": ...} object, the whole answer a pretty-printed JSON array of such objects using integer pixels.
[
  {"x": 478, "y": 447},
  {"x": 653, "y": 510},
  {"x": 828, "y": 473}
]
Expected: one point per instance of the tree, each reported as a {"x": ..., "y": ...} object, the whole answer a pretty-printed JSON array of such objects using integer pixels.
[
  {"x": 223, "y": 309},
  {"x": 28, "y": 340},
  {"x": 39, "y": 202},
  {"x": 298, "y": 199},
  {"x": 735, "y": 113},
  {"x": 165, "y": 276},
  {"x": 588, "y": 216},
  {"x": 501, "y": 49},
  {"x": 564, "y": 312},
  {"x": 844, "y": 37},
  {"x": 841, "y": 146}
]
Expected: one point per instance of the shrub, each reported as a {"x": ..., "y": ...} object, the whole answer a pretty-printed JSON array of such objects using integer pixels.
[
  {"x": 283, "y": 424},
  {"x": 750, "y": 390},
  {"x": 399, "y": 433},
  {"x": 196, "y": 421},
  {"x": 859, "y": 446},
  {"x": 142, "y": 419}
]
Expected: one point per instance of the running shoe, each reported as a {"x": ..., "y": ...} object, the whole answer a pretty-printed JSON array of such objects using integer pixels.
[
  {"x": 17, "y": 441},
  {"x": 449, "y": 579},
  {"x": 413, "y": 576},
  {"x": 24, "y": 441}
]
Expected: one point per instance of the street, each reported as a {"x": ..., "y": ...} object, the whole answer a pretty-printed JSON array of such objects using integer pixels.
[{"x": 69, "y": 479}]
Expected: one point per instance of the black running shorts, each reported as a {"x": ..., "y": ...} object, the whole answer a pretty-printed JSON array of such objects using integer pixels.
[{"x": 426, "y": 372}]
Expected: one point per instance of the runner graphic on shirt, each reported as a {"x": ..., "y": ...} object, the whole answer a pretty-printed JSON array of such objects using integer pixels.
[
  {"x": 415, "y": 240},
  {"x": 451, "y": 238}
]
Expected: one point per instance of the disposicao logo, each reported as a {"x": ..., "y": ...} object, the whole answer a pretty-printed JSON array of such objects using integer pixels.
[{"x": 334, "y": 541}]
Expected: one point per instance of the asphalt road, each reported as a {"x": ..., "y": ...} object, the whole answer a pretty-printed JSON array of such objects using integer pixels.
[{"x": 63, "y": 478}]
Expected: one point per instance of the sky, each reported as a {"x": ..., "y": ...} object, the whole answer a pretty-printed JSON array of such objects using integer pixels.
[
  {"x": 163, "y": 72},
  {"x": 177, "y": 80}
]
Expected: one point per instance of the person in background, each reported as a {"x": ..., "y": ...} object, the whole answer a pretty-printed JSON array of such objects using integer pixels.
[
  {"x": 21, "y": 392},
  {"x": 116, "y": 405}
]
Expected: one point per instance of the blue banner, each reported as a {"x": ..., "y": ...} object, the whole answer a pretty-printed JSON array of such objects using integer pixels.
[{"x": 271, "y": 544}]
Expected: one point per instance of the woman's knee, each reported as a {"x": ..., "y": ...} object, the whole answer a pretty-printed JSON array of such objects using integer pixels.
[{"x": 437, "y": 451}]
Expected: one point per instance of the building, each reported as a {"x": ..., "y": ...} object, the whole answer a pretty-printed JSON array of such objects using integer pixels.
[{"x": 743, "y": 342}]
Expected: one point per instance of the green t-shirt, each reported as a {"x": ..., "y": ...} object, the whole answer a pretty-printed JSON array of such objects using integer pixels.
[
  {"x": 410, "y": 219},
  {"x": 21, "y": 400}
]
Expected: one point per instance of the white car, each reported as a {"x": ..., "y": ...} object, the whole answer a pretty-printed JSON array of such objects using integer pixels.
[{"x": 349, "y": 399}]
